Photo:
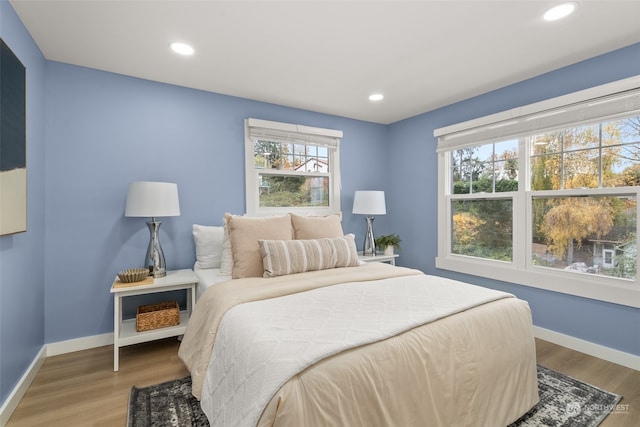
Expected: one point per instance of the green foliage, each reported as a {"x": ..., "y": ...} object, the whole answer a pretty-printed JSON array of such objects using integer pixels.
[
  {"x": 482, "y": 251},
  {"x": 485, "y": 185},
  {"x": 280, "y": 199},
  {"x": 291, "y": 191},
  {"x": 388, "y": 240},
  {"x": 290, "y": 184},
  {"x": 601, "y": 155},
  {"x": 504, "y": 185},
  {"x": 627, "y": 265},
  {"x": 483, "y": 228}
]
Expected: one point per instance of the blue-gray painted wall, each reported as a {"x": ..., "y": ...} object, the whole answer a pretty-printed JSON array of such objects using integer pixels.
[
  {"x": 90, "y": 133},
  {"x": 414, "y": 164},
  {"x": 22, "y": 271},
  {"x": 105, "y": 130}
]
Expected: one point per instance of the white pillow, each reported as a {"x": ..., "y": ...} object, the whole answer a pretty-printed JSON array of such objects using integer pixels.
[{"x": 208, "y": 241}]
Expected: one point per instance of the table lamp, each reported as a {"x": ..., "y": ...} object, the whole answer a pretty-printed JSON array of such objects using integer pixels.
[
  {"x": 369, "y": 203},
  {"x": 153, "y": 199}
]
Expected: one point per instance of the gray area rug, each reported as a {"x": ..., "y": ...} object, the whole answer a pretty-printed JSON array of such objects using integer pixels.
[
  {"x": 564, "y": 401},
  {"x": 567, "y": 402}
]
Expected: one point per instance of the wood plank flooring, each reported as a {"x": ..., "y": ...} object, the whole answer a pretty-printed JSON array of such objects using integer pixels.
[
  {"x": 600, "y": 373},
  {"x": 81, "y": 389}
]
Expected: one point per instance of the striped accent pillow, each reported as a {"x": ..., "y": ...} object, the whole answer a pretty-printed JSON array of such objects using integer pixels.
[{"x": 281, "y": 257}]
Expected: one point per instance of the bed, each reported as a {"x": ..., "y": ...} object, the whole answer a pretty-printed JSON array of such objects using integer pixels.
[
  {"x": 352, "y": 344},
  {"x": 208, "y": 277}
]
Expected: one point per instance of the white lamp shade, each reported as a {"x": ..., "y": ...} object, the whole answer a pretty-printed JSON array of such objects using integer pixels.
[
  {"x": 152, "y": 199},
  {"x": 369, "y": 203}
]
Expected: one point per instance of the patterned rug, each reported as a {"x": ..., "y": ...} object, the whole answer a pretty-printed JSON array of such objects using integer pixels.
[
  {"x": 564, "y": 401},
  {"x": 567, "y": 402}
]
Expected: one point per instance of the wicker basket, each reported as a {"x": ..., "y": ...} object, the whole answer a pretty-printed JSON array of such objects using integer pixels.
[{"x": 155, "y": 316}]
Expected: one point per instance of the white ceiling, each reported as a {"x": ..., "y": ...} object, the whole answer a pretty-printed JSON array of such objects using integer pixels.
[{"x": 328, "y": 56}]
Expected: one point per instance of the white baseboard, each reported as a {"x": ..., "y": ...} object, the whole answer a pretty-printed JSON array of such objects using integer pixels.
[
  {"x": 78, "y": 344},
  {"x": 12, "y": 401},
  {"x": 606, "y": 353},
  {"x": 47, "y": 350}
]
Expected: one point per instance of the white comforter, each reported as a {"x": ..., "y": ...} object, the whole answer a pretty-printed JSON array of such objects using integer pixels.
[{"x": 260, "y": 345}]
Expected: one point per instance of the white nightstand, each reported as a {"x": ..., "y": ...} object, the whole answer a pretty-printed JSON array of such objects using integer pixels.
[
  {"x": 391, "y": 259},
  {"x": 124, "y": 331}
]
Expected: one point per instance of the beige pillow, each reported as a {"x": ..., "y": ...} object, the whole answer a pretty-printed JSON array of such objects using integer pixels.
[
  {"x": 316, "y": 227},
  {"x": 244, "y": 233},
  {"x": 280, "y": 257},
  {"x": 226, "y": 263}
]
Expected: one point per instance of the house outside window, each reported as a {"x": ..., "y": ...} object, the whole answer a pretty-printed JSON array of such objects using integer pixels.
[
  {"x": 546, "y": 199},
  {"x": 291, "y": 168},
  {"x": 608, "y": 258}
]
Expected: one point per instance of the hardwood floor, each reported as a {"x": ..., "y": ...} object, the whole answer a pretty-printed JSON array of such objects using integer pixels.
[
  {"x": 600, "y": 373},
  {"x": 81, "y": 389}
]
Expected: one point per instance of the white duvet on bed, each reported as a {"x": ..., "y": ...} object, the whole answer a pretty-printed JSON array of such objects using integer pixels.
[{"x": 260, "y": 345}]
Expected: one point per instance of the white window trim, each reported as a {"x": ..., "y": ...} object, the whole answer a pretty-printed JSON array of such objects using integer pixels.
[
  {"x": 603, "y": 101},
  {"x": 606, "y": 98},
  {"x": 279, "y": 131}
]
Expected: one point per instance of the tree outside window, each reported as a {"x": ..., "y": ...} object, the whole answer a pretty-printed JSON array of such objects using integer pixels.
[{"x": 576, "y": 226}]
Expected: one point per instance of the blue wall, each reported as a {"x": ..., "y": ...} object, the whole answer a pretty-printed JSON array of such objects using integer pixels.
[
  {"x": 412, "y": 150},
  {"x": 90, "y": 133},
  {"x": 22, "y": 277},
  {"x": 105, "y": 130}
]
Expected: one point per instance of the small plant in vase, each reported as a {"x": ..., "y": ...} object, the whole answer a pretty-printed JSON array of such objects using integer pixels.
[{"x": 388, "y": 243}]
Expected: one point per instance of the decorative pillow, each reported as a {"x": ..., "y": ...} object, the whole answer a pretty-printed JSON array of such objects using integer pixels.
[
  {"x": 244, "y": 233},
  {"x": 208, "y": 241},
  {"x": 316, "y": 227},
  {"x": 280, "y": 257},
  {"x": 226, "y": 265}
]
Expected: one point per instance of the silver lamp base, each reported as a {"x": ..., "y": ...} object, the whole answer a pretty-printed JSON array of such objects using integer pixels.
[
  {"x": 369, "y": 241},
  {"x": 155, "y": 257}
]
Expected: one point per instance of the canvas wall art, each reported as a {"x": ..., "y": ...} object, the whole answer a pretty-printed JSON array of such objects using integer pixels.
[{"x": 13, "y": 150}]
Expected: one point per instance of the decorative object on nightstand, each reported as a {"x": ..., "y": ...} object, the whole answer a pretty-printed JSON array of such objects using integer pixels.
[
  {"x": 131, "y": 275},
  {"x": 388, "y": 243},
  {"x": 153, "y": 199},
  {"x": 369, "y": 203}
]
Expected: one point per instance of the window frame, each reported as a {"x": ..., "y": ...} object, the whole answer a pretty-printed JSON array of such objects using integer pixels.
[
  {"x": 291, "y": 133},
  {"x": 521, "y": 269}
]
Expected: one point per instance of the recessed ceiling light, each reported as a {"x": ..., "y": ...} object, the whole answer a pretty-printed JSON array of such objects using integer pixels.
[
  {"x": 181, "y": 48},
  {"x": 560, "y": 11},
  {"x": 376, "y": 97}
]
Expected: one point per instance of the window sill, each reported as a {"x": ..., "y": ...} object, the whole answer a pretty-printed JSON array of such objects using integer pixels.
[{"x": 578, "y": 284}]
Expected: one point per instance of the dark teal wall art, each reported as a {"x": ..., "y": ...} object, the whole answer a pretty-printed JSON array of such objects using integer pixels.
[{"x": 13, "y": 157}]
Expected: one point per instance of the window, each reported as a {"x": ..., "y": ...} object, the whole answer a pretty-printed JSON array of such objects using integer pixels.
[
  {"x": 546, "y": 196},
  {"x": 291, "y": 168},
  {"x": 608, "y": 258},
  {"x": 483, "y": 180}
]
